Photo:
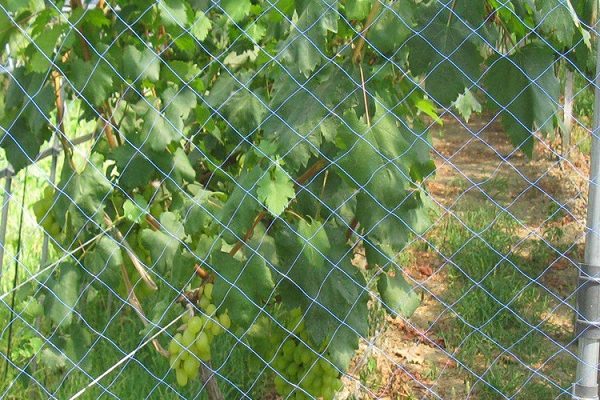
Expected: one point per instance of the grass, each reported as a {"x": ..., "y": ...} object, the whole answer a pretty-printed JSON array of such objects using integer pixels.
[{"x": 497, "y": 327}]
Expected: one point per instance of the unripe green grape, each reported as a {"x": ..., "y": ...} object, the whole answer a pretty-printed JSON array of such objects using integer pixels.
[
  {"x": 203, "y": 346},
  {"x": 307, "y": 380},
  {"x": 332, "y": 372},
  {"x": 288, "y": 347},
  {"x": 306, "y": 356},
  {"x": 211, "y": 309},
  {"x": 174, "y": 361},
  {"x": 204, "y": 302},
  {"x": 215, "y": 328},
  {"x": 174, "y": 348},
  {"x": 190, "y": 366},
  {"x": 337, "y": 385},
  {"x": 182, "y": 378},
  {"x": 279, "y": 383},
  {"x": 298, "y": 356},
  {"x": 317, "y": 383},
  {"x": 208, "y": 289},
  {"x": 300, "y": 396},
  {"x": 280, "y": 363},
  {"x": 186, "y": 317},
  {"x": 202, "y": 342},
  {"x": 176, "y": 342},
  {"x": 206, "y": 355},
  {"x": 225, "y": 321},
  {"x": 194, "y": 324},
  {"x": 292, "y": 370},
  {"x": 328, "y": 393},
  {"x": 188, "y": 338}
]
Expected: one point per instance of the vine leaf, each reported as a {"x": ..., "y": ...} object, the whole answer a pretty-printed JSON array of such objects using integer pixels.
[
  {"x": 140, "y": 64},
  {"x": 358, "y": 9},
  {"x": 104, "y": 262},
  {"x": 526, "y": 89},
  {"x": 250, "y": 282},
  {"x": 241, "y": 207},
  {"x": 275, "y": 190},
  {"x": 391, "y": 28},
  {"x": 302, "y": 49},
  {"x": 22, "y": 137},
  {"x": 173, "y": 12},
  {"x": 330, "y": 290},
  {"x": 299, "y": 135},
  {"x": 201, "y": 211},
  {"x": 42, "y": 47},
  {"x": 202, "y": 25},
  {"x": 138, "y": 163},
  {"x": 62, "y": 294},
  {"x": 136, "y": 209},
  {"x": 237, "y": 10},
  {"x": 178, "y": 102},
  {"x": 397, "y": 295},
  {"x": 92, "y": 80},
  {"x": 81, "y": 195},
  {"x": 557, "y": 18},
  {"x": 21, "y": 144},
  {"x": 389, "y": 207},
  {"x": 314, "y": 241},
  {"x": 449, "y": 62},
  {"x": 466, "y": 104},
  {"x": 164, "y": 245},
  {"x": 242, "y": 108}
]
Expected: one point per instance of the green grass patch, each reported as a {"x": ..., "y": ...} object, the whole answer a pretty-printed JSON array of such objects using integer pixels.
[{"x": 497, "y": 326}]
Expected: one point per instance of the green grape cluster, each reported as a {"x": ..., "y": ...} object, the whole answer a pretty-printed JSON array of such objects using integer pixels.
[
  {"x": 296, "y": 364},
  {"x": 188, "y": 347},
  {"x": 44, "y": 218}
]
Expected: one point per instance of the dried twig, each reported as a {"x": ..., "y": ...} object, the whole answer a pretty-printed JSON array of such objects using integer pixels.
[{"x": 131, "y": 254}]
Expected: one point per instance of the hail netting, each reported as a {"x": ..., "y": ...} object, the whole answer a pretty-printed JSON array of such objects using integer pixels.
[{"x": 298, "y": 199}]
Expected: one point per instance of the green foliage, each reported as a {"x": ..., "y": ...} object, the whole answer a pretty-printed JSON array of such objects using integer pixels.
[
  {"x": 525, "y": 86},
  {"x": 249, "y": 143},
  {"x": 397, "y": 294},
  {"x": 275, "y": 190}
]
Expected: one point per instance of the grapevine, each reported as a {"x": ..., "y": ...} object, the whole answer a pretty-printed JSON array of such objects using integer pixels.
[{"x": 264, "y": 142}]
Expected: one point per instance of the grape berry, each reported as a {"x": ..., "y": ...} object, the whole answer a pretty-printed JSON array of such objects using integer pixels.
[
  {"x": 300, "y": 373},
  {"x": 187, "y": 348}
]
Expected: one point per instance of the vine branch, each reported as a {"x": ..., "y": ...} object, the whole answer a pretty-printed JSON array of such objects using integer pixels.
[
  {"x": 60, "y": 116},
  {"x": 135, "y": 303},
  {"x": 105, "y": 118},
  {"x": 131, "y": 254},
  {"x": 358, "y": 50}
]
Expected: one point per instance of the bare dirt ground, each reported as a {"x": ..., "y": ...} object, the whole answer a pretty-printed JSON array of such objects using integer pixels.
[{"x": 410, "y": 359}]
